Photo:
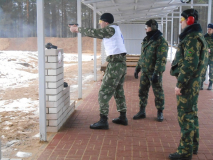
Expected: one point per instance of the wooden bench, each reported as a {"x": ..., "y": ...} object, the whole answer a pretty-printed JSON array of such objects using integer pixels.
[{"x": 131, "y": 61}]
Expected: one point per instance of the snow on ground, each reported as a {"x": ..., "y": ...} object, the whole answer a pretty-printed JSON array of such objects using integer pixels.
[
  {"x": 18, "y": 105},
  {"x": 23, "y": 154},
  {"x": 12, "y": 67},
  {"x": 14, "y": 64},
  {"x": 17, "y": 70}
]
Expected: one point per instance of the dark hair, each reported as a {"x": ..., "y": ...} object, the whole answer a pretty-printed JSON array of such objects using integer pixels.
[
  {"x": 152, "y": 23},
  {"x": 107, "y": 17}
]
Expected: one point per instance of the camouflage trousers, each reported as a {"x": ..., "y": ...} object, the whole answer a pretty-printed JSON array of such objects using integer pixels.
[
  {"x": 145, "y": 83},
  {"x": 203, "y": 77},
  {"x": 187, "y": 117},
  {"x": 112, "y": 84}
]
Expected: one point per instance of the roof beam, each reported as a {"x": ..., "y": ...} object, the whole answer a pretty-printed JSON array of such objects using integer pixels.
[
  {"x": 171, "y": 1},
  {"x": 93, "y": 1},
  {"x": 142, "y": 4},
  {"x": 144, "y": 11},
  {"x": 135, "y": 7},
  {"x": 119, "y": 5},
  {"x": 115, "y": 4},
  {"x": 132, "y": 18}
]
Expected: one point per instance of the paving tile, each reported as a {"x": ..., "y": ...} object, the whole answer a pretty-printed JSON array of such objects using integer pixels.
[
  {"x": 209, "y": 156},
  {"x": 142, "y": 139}
]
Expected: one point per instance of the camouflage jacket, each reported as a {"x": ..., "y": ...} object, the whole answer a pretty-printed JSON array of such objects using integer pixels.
[
  {"x": 153, "y": 54},
  {"x": 209, "y": 40},
  {"x": 191, "y": 56},
  {"x": 106, "y": 32}
]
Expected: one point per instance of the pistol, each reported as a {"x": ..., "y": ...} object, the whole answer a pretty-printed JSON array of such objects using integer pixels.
[{"x": 71, "y": 24}]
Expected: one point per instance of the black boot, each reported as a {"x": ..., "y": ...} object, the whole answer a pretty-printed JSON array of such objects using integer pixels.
[
  {"x": 177, "y": 156},
  {"x": 141, "y": 114},
  {"x": 210, "y": 85},
  {"x": 121, "y": 119},
  {"x": 102, "y": 124},
  {"x": 201, "y": 86},
  {"x": 160, "y": 115}
]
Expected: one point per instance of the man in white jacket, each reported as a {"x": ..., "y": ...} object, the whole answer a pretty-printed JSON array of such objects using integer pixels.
[{"x": 113, "y": 80}]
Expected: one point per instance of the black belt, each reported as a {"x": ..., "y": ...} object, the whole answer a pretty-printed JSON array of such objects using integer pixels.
[{"x": 122, "y": 54}]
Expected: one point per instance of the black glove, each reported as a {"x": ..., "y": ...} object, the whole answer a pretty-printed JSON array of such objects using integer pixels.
[
  {"x": 136, "y": 73},
  {"x": 155, "y": 78}
]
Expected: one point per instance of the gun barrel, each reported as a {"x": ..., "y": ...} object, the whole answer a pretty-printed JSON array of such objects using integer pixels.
[{"x": 71, "y": 24}]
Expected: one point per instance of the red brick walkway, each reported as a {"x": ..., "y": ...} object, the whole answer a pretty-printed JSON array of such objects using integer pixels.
[{"x": 144, "y": 139}]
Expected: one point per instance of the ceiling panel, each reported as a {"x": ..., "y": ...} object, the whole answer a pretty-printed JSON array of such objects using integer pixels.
[{"x": 128, "y": 11}]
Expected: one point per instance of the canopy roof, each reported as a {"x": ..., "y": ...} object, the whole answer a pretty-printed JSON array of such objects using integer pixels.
[{"x": 131, "y": 11}]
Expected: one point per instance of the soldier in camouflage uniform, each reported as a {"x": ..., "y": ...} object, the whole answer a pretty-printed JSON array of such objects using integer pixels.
[
  {"x": 113, "y": 80},
  {"x": 209, "y": 39},
  {"x": 188, "y": 65},
  {"x": 152, "y": 64}
]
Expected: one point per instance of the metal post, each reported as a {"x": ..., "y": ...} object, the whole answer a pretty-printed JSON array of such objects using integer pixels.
[
  {"x": 209, "y": 21},
  {"x": 79, "y": 52},
  {"x": 41, "y": 61},
  {"x": 166, "y": 27},
  {"x": 180, "y": 23},
  {"x": 162, "y": 24},
  {"x": 192, "y": 3},
  {"x": 209, "y": 11},
  {"x": 95, "y": 44},
  {"x": 171, "y": 38},
  {"x": 0, "y": 148}
]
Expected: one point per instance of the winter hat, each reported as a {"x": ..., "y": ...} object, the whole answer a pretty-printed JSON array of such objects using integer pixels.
[
  {"x": 190, "y": 12},
  {"x": 107, "y": 17},
  {"x": 210, "y": 25},
  {"x": 152, "y": 23}
]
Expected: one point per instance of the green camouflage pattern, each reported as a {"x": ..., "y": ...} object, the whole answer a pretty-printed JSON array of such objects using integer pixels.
[
  {"x": 190, "y": 60},
  {"x": 106, "y": 32},
  {"x": 153, "y": 56},
  {"x": 145, "y": 83},
  {"x": 112, "y": 84},
  {"x": 187, "y": 117},
  {"x": 113, "y": 80},
  {"x": 188, "y": 65},
  {"x": 153, "y": 59},
  {"x": 209, "y": 40}
]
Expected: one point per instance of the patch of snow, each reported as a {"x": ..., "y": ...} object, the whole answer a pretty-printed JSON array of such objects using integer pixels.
[
  {"x": 24, "y": 105},
  {"x": 37, "y": 135},
  {"x": 74, "y": 57},
  {"x": 23, "y": 154},
  {"x": 12, "y": 67},
  {"x": 11, "y": 143},
  {"x": 14, "y": 63}
]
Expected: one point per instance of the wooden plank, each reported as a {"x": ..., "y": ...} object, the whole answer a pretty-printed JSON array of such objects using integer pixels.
[
  {"x": 103, "y": 66},
  {"x": 132, "y": 58},
  {"x": 131, "y": 61},
  {"x": 129, "y": 55},
  {"x": 131, "y": 64}
]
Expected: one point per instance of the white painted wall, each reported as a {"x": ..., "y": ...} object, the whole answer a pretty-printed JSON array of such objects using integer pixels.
[{"x": 133, "y": 36}]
